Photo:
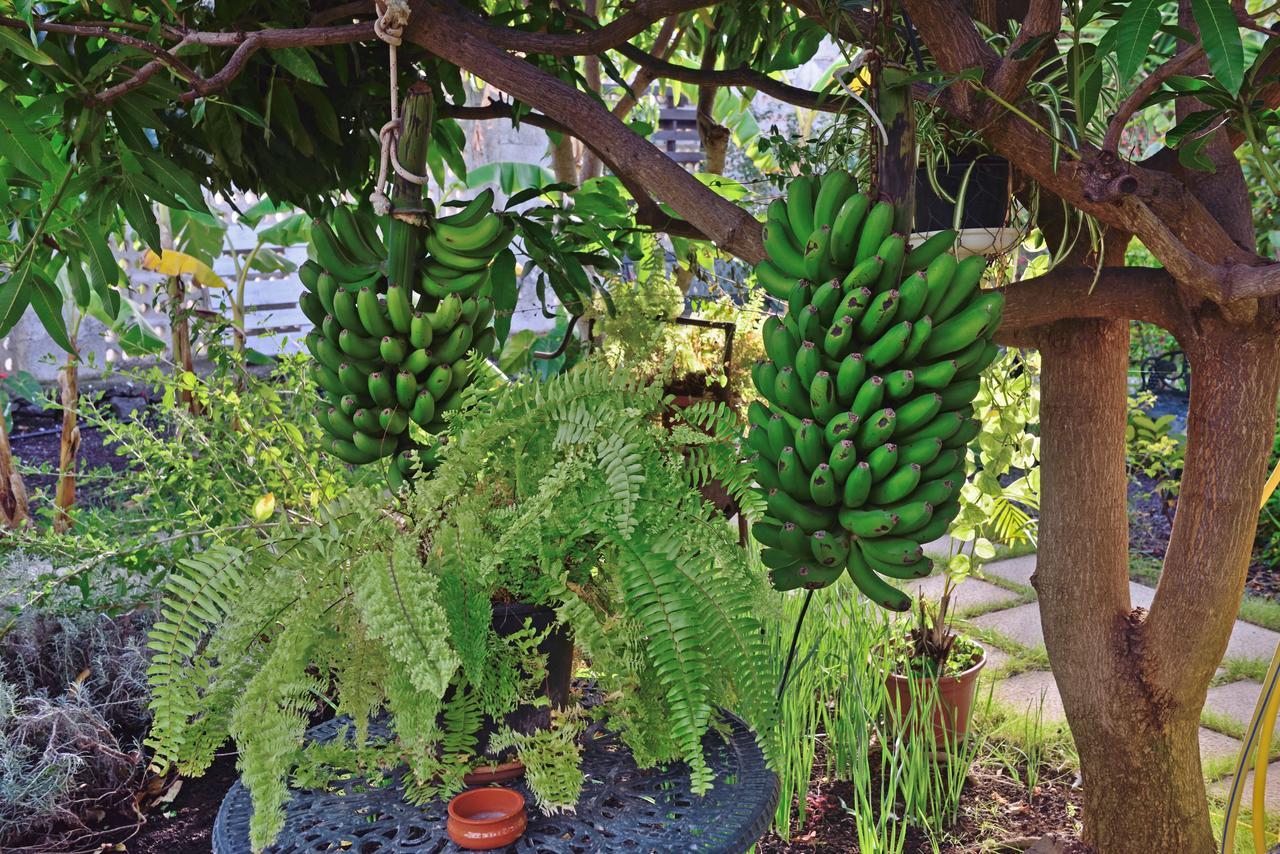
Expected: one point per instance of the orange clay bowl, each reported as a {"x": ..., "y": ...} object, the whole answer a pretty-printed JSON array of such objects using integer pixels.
[{"x": 481, "y": 819}]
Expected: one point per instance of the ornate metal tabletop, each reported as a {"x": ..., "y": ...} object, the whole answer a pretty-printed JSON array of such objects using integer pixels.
[{"x": 622, "y": 808}]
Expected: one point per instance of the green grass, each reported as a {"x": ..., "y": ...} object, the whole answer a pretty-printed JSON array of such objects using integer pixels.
[{"x": 1242, "y": 668}]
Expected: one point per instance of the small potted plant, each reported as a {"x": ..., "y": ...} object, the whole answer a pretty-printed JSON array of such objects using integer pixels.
[
  {"x": 932, "y": 668},
  {"x": 964, "y": 188}
]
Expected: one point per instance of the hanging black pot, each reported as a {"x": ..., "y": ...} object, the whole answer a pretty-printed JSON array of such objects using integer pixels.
[{"x": 985, "y": 199}]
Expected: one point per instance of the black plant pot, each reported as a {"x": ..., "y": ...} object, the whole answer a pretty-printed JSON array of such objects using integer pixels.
[
  {"x": 557, "y": 646},
  {"x": 985, "y": 203}
]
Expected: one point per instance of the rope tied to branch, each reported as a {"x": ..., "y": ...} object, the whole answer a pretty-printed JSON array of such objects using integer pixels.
[{"x": 393, "y": 17}]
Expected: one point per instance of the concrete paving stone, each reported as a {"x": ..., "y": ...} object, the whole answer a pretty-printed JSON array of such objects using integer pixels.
[
  {"x": 940, "y": 546},
  {"x": 1250, "y": 641},
  {"x": 1235, "y": 701},
  {"x": 1020, "y": 624},
  {"x": 1015, "y": 569},
  {"x": 996, "y": 659},
  {"x": 1024, "y": 692},
  {"x": 1221, "y": 787},
  {"x": 969, "y": 595},
  {"x": 1215, "y": 745},
  {"x": 1140, "y": 595}
]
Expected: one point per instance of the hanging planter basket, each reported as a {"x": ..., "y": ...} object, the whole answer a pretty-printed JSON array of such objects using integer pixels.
[{"x": 980, "y": 184}]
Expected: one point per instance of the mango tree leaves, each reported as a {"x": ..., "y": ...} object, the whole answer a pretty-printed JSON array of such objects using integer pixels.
[
  {"x": 1222, "y": 42},
  {"x": 46, "y": 299},
  {"x": 19, "y": 144},
  {"x": 1130, "y": 37}
]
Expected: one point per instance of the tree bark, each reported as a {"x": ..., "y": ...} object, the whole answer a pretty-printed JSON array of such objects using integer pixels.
[
  {"x": 69, "y": 447},
  {"x": 1133, "y": 684},
  {"x": 1142, "y": 783},
  {"x": 13, "y": 492}
]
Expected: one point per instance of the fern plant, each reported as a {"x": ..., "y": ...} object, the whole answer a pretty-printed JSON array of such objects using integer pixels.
[{"x": 568, "y": 493}]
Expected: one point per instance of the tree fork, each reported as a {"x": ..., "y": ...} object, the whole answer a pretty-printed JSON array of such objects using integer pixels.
[{"x": 1125, "y": 741}]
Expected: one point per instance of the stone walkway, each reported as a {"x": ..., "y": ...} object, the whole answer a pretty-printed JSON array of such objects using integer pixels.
[{"x": 1003, "y": 613}]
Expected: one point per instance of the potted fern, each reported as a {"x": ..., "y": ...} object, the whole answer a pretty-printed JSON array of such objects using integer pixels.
[{"x": 567, "y": 495}]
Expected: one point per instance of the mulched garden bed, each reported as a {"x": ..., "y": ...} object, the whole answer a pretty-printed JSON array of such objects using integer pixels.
[
  {"x": 1151, "y": 524},
  {"x": 996, "y": 815}
]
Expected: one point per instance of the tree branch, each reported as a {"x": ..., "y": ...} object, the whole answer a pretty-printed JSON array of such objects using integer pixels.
[
  {"x": 642, "y": 15},
  {"x": 1131, "y": 293},
  {"x": 743, "y": 76},
  {"x": 1146, "y": 89},
  {"x": 463, "y": 41}
]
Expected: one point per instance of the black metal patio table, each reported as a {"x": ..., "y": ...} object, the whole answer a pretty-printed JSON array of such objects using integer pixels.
[{"x": 622, "y": 808}]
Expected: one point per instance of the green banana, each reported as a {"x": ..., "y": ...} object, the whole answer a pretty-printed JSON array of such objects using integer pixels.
[
  {"x": 849, "y": 377},
  {"x": 912, "y": 294},
  {"x": 399, "y": 309},
  {"x": 792, "y": 474},
  {"x": 976, "y": 367},
  {"x": 779, "y": 343},
  {"x": 470, "y": 238},
  {"x": 864, "y": 274},
  {"x": 843, "y": 426},
  {"x": 393, "y": 421},
  {"x": 920, "y": 333},
  {"x": 869, "y": 397},
  {"x": 377, "y": 446},
  {"x": 406, "y": 389},
  {"x": 938, "y": 276},
  {"x": 327, "y": 379},
  {"x": 393, "y": 350},
  {"x": 780, "y": 435},
  {"x": 809, "y": 444},
  {"x": 843, "y": 458},
  {"x": 883, "y": 460},
  {"x": 942, "y": 427},
  {"x": 939, "y": 523},
  {"x": 808, "y": 362},
  {"x": 829, "y": 550},
  {"x": 340, "y": 424},
  {"x": 853, "y": 305},
  {"x": 366, "y": 421},
  {"x": 423, "y": 409},
  {"x": 326, "y": 287},
  {"x": 957, "y": 332},
  {"x": 780, "y": 246},
  {"x": 918, "y": 569},
  {"x": 834, "y": 190},
  {"x": 344, "y": 309},
  {"x": 470, "y": 213},
  {"x": 857, "y": 486},
  {"x": 822, "y": 486},
  {"x": 776, "y": 283},
  {"x": 960, "y": 395},
  {"x": 817, "y": 264},
  {"x": 946, "y": 460},
  {"x": 353, "y": 378},
  {"x": 873, "y": 586},
  {"x": 312, "y": 307},
  {"x": 807, "y": 517},
  {"x": 889, "y": 346},
  {"x": 867, "y": 523},
  {"x": 417, "y": 361},
  {"x": 839, "y": 339},
  {"x": 917, "y": 412},
  {"x": 935, "y": 376},
  {"x": 380, "y": 389},
  {"x": 964, "y": 282},
  {"x": 921, "y": 453},
  {"x": 844, "y": 230},
  {"x": 896, "y": 550},
  {"x": 799, "y": 205},
  {"x": 879, "y": 314},
  {"x": 349, "y": 453},
  {"x": 358, "y": 346},
  {"x": 876, "y": 430},
  {"x": 912, "y": 516},
  {"x": 454, "y": 345},
  {"x": 822, "y": 397},
  {"x": 891, "y": 251},
  {"x": 966, "y": 433},
  {"x": 790, "y": 394},
  {"x": 809, "y": 322},
  {"x": 439, "y": 381},
  {"x": 875, "y": 229},
  {"x": 898, "y": 384},
  {"x": 896, "y": 486},
  {"x": 921, "y": 256},
  {"x": 827, "y": 298}
]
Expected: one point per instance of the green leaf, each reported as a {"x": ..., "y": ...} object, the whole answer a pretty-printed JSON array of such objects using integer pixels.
[
  {"x": 20, "y": 145},
  {"x": 1133, "y": 32},
  {"x": 102, "y": 264},
  {"x": 299, "y": 63},
  {"x": 1221, "y": 37},
  {"x": 12, "y": 41},
  {"x": 15, "y": 294},
  {"x": 139, "y": 215},
  {"x": 1192, "y": 124},
  {"x": 505, "y": 292},
  {"x": 46, "y": 299},
  {"x": 510, "y": 176}
]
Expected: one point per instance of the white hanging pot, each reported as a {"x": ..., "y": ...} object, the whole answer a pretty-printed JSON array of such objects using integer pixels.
[{"x": 978, "y": 241}]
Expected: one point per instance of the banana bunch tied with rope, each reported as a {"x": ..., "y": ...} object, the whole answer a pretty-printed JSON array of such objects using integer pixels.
[
  {"x": 870, "y": 381},
  {"x": 396, "y": 322}
]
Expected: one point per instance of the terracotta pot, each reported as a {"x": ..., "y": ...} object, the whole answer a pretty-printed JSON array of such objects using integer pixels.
[
  {"x": 952, "y": 707},
  {"x": 483, "y": 775},
  {"x": 481, "y": 819}
]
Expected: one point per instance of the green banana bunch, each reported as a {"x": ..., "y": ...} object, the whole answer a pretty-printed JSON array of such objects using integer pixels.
[
  {"x": 398, "y": 310},
  {"x": 870, "y": 381}
]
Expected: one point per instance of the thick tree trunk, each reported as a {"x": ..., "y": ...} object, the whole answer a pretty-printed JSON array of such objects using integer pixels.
[{"x": 1133, "y": 685}]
